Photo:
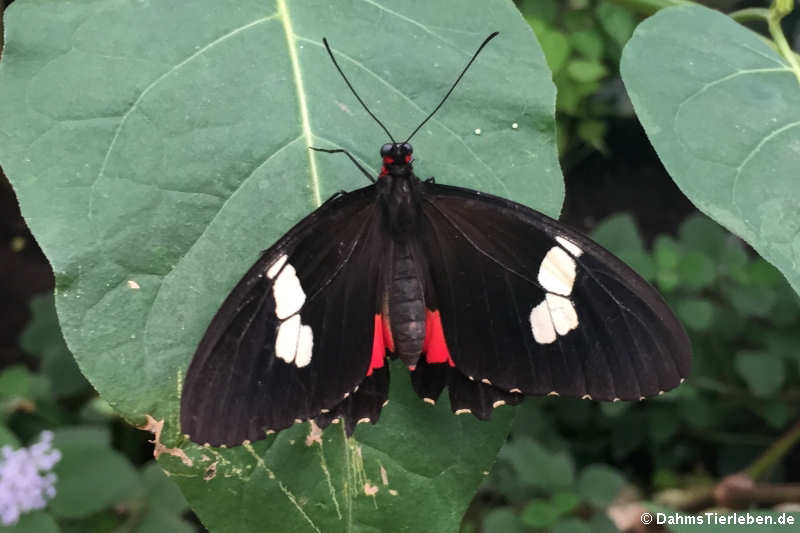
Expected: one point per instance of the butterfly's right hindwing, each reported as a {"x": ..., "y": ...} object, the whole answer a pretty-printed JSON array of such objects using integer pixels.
[{"x": 294, "y": 337}]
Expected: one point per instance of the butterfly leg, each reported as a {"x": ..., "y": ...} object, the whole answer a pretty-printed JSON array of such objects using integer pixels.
[{"x": 345, "y": 152}]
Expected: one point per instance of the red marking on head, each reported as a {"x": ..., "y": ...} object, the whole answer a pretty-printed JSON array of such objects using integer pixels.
[
  {"x": 408, "y": 158},
  {"x": 383, "y": 172},
  {"x": 435, "y": 346},
  {"x": 388, "y": 160},
  {"x": 378, "y": 346},
  {"x": 388, "y": 340}
]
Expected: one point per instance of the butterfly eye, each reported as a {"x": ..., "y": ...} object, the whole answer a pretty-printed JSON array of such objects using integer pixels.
[
  {"x": 387, "y": 149},
  {"x": 407, "y": 148}
]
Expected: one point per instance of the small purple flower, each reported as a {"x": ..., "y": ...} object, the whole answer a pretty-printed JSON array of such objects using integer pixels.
[{"x": 26, "y": 482}]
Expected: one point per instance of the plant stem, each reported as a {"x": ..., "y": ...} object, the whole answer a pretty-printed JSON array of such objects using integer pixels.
[
  {"x": 774, "y": 453},
  {"x": 774, "y": 25},
  {"x": 750, "y": 14}
]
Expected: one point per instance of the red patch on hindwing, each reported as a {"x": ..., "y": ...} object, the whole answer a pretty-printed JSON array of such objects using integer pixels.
[
  {"x": 381, "y": 340},
  {"x": 435, "y": 346}
]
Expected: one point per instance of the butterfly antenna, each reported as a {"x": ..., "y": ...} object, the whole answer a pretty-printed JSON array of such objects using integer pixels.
[
  {"x": 475, "y": 55},
  {"x": 330, "y": 53}
]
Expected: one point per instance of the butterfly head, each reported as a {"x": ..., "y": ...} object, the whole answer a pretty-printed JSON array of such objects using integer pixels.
[{"x": 397, "y": 158}]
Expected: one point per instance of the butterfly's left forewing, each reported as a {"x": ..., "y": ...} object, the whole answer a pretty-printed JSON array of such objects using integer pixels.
[
  {"x": 530, "y": 306},
  {"x": 294, "y": 338}
]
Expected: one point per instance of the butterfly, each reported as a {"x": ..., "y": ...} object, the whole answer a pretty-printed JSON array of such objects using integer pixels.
[{"x": 472, "y": 292}]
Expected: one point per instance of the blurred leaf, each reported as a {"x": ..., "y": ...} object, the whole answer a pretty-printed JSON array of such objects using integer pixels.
[
  {"x": 750, "y": 300},
  {"x": 618, "y": 233},
  {"x": 696, "y": 270},
  {"x": 776, "y": 413},
  {"x": 554, "y": 44},
  {"x": 617, "y": 22},
  {"x": 537, "y": 466},
  {"x": 7, "y": 437},
  {"x": 502, "y": 520},
  {"x": 577, "y": 19},
  {"x": 763, "y": 373},
  {"x": 584, "y": 71},
  {"x": 721, "y": 108},
  {"x": 696, "y": 411},
  {"x": 701, "y": 234},
  {"x": 565, "y": 502},
  {"x": 663, "y": 423},
  {"x": 539, "y": 513},
  {"x": 91, "y": 476},
  {"x": 588, "y": 43},
  {"x": 544, "y": 10},
  {"x": 593, "y": 133},
  {"x": 33, "y": 522},
  {"x": 599, "y": 484},
  {"x": 20, "y": 389},
  {"x": 43, "y": 338},
  {"x": 159, "y": 491},
  {"x": 600, "y": 523},
  {"x": 666, "y": 254},
  {"x": 696, "y": 313},
  {"x": 572, "y": 525}
]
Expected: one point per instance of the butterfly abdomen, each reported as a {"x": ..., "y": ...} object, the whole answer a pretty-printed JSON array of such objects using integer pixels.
[{"x": 406, "y": 306}]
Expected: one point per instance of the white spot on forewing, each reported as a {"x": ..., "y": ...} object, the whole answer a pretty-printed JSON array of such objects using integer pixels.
[
  {"x": 289, "y": 295},
  {"x": 305, "y": 345},
  {"x": 557, "y": 271},
  {"x": 562, "y": 312},
  {"x": 570, "y": 246},
  {"x": 542, "y": 325},
  {"x": 286, "y": 340},
  {"x": 276, "y": 266}
]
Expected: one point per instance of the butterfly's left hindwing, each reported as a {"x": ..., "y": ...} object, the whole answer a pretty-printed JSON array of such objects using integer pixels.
[
  {"x": 294, "y": 337},
  {"x": 530, "y": 306}
]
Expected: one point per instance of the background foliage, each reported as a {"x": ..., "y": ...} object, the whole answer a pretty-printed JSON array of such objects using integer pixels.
[{"x": 568, "y": 466}]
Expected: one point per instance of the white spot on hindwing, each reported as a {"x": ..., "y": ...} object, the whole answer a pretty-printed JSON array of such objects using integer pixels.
[
  {"x": 556, "y": 315},
  {"x": 286, "y": 339},
  {"x": 562, "y": 312},
  {"x": 542, "y": 324},
  {"x": 294, "y": 341},
  {"x": 289, "y": 295}
]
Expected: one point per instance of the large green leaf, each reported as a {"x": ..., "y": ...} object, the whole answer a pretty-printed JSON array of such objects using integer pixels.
[
  {"x": 157, "y": 147},
  {"x": 722, "y": 110}
]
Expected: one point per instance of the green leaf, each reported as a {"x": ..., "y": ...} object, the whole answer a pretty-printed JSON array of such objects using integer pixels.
[
  {"x": 43, "y": 338},
  {"x": 599, "y": 484},
  {"x": 696, "y": 313},
  {"x": 502, "y": 521},
  {"x": 722, "y": 109},
  {"x": 617, "y": 22},
  {"x": 618, "y": 233},
  {"x": 763, "y": 373},
  {"x": 180, "y": 152},
  {"x": 572, "y": 525},
  {"x": 537, "y": 466},
  {"x": 588, "y": 43},
  {"x": 585, "y": 71},
  {"x": 554, "y": 44},
  {"x": 91, "y": 476},
  {"x": 696, "y": 270},
  {"x": 539, "y": 513},
  {"x": 33, "y": 522}
]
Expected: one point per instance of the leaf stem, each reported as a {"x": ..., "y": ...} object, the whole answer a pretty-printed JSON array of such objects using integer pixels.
[
  {"x": 750, "y": 14},
  {"x": 778, "y": 10},
  {"x": 773, "y": 455}
]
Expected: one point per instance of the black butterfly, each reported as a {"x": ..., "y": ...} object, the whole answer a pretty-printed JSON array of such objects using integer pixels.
[{"x": 475, "y": 293}]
